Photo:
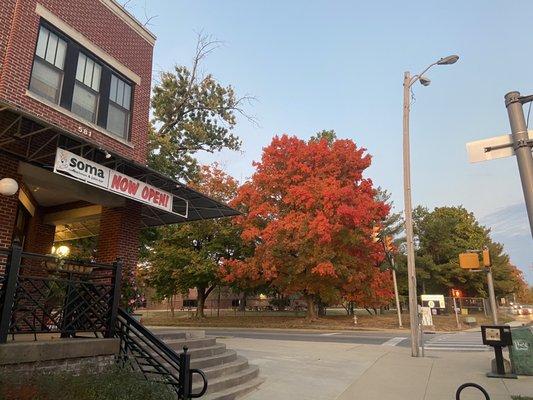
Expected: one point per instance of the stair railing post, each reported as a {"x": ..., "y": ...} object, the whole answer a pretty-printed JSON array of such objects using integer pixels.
[
  {"x": 115, "y": 297},
  {"x": 184, "y": 375},
  {"x": 12, "y": 273}
]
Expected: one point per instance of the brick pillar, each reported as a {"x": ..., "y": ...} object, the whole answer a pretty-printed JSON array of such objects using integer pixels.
[
  {"x": 40, "y": 237},
  {"x": 8, "y": 204},
  {"x": 119, "y": 234}
]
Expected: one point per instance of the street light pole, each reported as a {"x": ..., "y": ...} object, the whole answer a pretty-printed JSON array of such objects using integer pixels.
[
  {"x": 408, "y": 81},
  {"x": 411, "y": 273}
]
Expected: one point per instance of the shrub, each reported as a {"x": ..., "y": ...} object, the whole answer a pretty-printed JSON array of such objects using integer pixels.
[{"x": 114, "y": 384}]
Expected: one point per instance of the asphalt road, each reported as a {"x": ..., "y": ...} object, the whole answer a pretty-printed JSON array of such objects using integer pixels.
[
  {"x": 376, "y": 338},
  {"x": 461, "y": 341}
]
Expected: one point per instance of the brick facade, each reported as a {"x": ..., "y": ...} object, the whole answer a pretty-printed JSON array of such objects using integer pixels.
[
  {"x": 107, "y": 28},
  {"x": 19, "y": 26},
  {"x": 8, "y": 205}
]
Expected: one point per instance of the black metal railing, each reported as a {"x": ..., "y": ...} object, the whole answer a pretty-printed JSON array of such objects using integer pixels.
[
  {"x": 44, "y": 294},
  {"x": 146, "y": 353}
]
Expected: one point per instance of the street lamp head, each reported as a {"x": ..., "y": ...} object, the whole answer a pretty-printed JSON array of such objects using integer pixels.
[
  {"x": 424, "y": 81},
  {"x": 448, "y": 60}
]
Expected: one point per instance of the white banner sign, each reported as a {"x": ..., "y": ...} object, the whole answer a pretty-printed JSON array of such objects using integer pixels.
[{"x": 83, "y": 170}]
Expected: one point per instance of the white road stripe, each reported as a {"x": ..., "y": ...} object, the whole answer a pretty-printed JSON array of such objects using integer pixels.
[
  {"x": 394, "y": 341},
  {"x": 330, "y": 334}
]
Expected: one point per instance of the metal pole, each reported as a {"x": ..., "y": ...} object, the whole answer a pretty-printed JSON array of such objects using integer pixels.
[
  {"x": 492, "y": 297},
  {"x": 398, "y": 309},
  {"x": 455, "y": 311},
  {"x": 522, "y": 149},
  {"x": 411, "y": 273}
]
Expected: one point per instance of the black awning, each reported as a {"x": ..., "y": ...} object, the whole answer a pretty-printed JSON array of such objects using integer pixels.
[{"x": 36, "y": 141}]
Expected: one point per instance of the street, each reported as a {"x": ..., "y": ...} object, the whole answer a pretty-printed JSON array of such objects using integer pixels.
[{"x": 461, "y": 341}]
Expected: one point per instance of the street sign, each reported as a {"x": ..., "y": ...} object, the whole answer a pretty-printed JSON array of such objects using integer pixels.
[
  {"x": 469, "y": 261},
  {"x": 492, "y": 148}
]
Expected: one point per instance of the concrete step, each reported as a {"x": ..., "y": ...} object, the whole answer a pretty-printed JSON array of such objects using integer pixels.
[
  {"x": 177, "y": 344},
  {"x": 229, "y": 381},
  {"x": 236, "y": 391},
  {"x": 206, "y": 362},
  {"x": 217, "y": 371},
  {"x": 199, "y": 353}
]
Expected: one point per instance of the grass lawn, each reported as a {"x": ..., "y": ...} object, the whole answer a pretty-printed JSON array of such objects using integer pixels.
[
  {"x": 522, "y": 398},
  {"x": 290, "y": 321},
  {"x": 114, "y": 384}
]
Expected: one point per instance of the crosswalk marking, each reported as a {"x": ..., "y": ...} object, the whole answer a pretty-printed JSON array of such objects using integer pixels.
[
  {"x": 394, "y": 341},
  {"x": 464, "y": 341}
]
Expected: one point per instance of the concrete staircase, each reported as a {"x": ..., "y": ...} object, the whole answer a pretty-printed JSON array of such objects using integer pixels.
[{"x": 229, "y": 375}]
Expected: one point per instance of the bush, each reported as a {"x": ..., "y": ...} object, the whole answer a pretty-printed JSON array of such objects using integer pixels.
[{"x": 115, "y": 384}]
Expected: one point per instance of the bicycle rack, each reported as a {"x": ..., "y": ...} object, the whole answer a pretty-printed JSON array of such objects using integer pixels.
[{"x": 474, "y": 385}]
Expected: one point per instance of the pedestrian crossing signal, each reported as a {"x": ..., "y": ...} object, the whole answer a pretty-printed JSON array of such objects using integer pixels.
[{"x": 469, "y": 261}]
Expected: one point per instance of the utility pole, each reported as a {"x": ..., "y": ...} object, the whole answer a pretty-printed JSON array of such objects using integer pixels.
[
  {"x": 493, "y": 306},
  {"x": 408, "y": 82},
  {"x": 522, "y": 146},
  {"x": 411, "y": 273}
]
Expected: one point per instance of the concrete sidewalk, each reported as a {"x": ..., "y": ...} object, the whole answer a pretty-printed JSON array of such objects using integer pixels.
[{"x": 340, "y": 371}]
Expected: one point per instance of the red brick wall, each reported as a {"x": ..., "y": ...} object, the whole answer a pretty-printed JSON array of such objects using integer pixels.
[
  {"x": 8, "y": 204},
  {"x": 18, "y": 34},
  {"x": 119, "y": 234}
]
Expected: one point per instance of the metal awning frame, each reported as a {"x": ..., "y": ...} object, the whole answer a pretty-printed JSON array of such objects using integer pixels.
[{"x": 19, "y": 139}]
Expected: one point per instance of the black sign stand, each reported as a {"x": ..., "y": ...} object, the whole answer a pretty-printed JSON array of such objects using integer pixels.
[{"x": 501, "y": 340}]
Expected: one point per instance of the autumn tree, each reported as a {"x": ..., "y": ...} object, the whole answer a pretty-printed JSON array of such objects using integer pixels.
[
  {"x": 189, "y": 254},
  {"x": 309, "y": 212},
  {"x": 192, "y": 112}
]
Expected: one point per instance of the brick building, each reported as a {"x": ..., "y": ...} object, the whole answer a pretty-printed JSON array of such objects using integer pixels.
[{"x": 75, "y": 83}]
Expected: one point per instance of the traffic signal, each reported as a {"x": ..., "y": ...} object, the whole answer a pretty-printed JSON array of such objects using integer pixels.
[
  {"x": 389, "y": 245},
  {"x": 469, "y": 260},
  {"x": 486, "y": 257},
  {"x": 375, "y": 233}
]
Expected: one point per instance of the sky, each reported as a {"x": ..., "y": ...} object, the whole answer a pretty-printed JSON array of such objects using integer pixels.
[{"x": 317, "y": 64}]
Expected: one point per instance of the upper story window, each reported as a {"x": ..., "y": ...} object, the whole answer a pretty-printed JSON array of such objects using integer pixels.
[
  {"x": 118, "y": 115},
  {"x": 86, "y": 88},
  {"x": 47, "y": 75},
  {"x": 70, "y": 76}
]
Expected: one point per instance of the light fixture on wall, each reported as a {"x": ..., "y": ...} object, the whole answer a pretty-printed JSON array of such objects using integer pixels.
[{"x": 8, "y": 186}]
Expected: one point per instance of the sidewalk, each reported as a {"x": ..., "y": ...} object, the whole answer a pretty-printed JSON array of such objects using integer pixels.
[
  {"x": 342, "y": 371},
  {"x": 396, "y": 375}
]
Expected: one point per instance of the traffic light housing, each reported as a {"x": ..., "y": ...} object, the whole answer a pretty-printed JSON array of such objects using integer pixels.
[{"x": 486, "y": 257}]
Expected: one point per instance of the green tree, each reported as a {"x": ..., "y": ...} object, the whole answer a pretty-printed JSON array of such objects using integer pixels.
[
  {"x": 192, "y": 112},
  {"x": 441, "y": 235},
  {"x": 189, "y": 255}
]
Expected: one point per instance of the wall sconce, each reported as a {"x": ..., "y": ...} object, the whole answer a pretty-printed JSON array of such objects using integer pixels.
[{"x": 8, "y": 186}]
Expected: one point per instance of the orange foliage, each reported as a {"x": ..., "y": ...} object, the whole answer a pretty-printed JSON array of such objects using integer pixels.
[{"x": 309, "y": 212}]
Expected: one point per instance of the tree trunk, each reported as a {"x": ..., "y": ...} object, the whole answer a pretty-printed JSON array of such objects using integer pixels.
[
  {"x": 311, "y": 310},
  {"x": 242, "y": 303},
  {"x": 171, "y": 302},
  {"x": 201, "y": 302}
]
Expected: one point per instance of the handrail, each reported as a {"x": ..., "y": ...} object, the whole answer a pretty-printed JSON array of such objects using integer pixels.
[{"x": 138, "y": 346}]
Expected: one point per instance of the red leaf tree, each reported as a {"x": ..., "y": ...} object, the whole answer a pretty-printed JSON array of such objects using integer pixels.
[{"x": 309, "y": 213}]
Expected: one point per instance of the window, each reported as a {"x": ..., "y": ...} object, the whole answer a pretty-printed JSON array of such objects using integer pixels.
[
  {"x": 47, "y": 74},
  {"x": 68, "y": 75},
  {"x": 118, "y": 115},
  {"x": 86, "y": 87}
]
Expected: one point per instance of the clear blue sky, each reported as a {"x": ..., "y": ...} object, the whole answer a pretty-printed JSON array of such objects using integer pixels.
[{"x": 339, "y": 65}]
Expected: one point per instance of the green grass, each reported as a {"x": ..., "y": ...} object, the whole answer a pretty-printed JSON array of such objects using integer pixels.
[
  {"x": 114, "y": 384},
  {"x": 522, "y": 398}
]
